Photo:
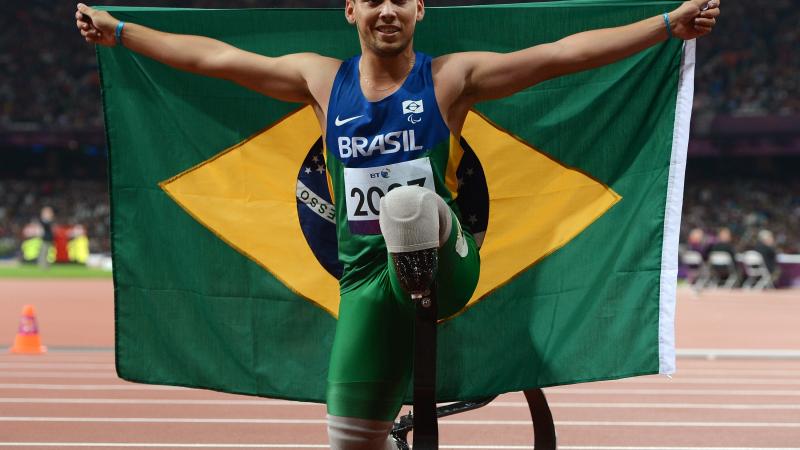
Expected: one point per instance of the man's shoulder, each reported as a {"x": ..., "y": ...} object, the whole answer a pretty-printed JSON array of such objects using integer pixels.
[
  {"x": 317, "y": 67},
  {"x": 454, "y": 68},
  {"x": 318, "y": 60}
]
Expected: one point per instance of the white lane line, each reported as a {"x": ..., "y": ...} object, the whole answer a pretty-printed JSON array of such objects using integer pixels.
[
  {"x": 629, "y": 381},
  {"x": 50, "y": 358},
  {"x": 92, "y": 387},
  {"x": 725, "y": 406},
  {"x": 443, "y": 446},
  {"x": 770, "y": 373},
  {"x": 165, "y": 420},
  {"x": 753, "y": 364},
  {"x": 37, "y": 365},
  {"x": 598, "y": 447},
  {"x": 686, "y": 380},
  {"x": 496, "y": 404},
  {"x": 575, "y": 423},
  {"x": 570, "y": 390},
  {"x": 559, "y": 390},
  {"x": 564, "y": 423},
  {"x": 80, "y": 365},
  {"x": 16, "y": 374},
  {"x": 54, "y": 350},
  {"x": 138, "y": 401},
  {"x": 59, "y": 352},
  {"x": 168, "y": 445},
  {"x": 22, "y": 362},
  {"x": 737, "y": 353}
]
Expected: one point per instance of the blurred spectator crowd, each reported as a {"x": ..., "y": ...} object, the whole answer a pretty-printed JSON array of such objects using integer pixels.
[
  {"x": 733, "y": 232},
  {"x": 748, "y": 66},
  {"x": 745, "y": 208},
  {"x": 74, "y": 202},
  {"x": 50, "y": 80}
]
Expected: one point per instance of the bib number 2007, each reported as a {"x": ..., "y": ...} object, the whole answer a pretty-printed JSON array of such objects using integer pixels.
[
  {"x": 372, "y": 197},
  {"x": 365, "y": 186}
]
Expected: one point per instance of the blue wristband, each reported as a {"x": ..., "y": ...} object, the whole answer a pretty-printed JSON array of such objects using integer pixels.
[
  {"x": 118, "y": 32},
  {"x": 669, "y": 28}
]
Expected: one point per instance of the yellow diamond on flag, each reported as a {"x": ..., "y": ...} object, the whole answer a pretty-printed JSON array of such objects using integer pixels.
[
  {"x": 536, "y": 204},
  {"x": 246, "y": 195}
]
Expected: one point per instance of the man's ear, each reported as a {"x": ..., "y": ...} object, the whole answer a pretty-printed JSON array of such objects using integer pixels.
[
  {"x": 420, "y": 10},
  {"x": 349, "y": 12}
]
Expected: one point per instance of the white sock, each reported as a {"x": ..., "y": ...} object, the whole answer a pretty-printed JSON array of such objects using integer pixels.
[
  {"x": 350, "y": 433},
  {"x": 414, "y": 218}
]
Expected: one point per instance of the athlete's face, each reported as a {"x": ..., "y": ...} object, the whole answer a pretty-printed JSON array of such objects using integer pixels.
[{"x": 385, "y": 26}]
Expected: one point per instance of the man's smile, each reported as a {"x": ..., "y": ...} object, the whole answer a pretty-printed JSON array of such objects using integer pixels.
[{"x": 387, "y": 30}]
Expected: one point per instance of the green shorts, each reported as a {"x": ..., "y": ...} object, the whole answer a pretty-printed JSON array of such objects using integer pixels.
[{"x": 372, "y": 356}]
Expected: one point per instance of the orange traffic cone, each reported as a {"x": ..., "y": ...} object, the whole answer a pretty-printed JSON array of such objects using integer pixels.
[{"x": 27, "y": 340}]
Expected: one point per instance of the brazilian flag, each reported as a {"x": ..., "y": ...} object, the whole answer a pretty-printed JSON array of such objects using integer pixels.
[{"x": 225, "y": 269}]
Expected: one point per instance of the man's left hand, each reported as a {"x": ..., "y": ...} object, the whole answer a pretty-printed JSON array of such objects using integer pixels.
[{"x": 694, "y": 18}]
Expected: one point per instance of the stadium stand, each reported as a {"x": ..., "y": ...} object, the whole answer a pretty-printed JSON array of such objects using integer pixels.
[
  {"x": 747, "y": 69},
  {"x": 745, "y": 207},
  {"x": 749, "y": 66},
  {"x": 50, "y": 103}
]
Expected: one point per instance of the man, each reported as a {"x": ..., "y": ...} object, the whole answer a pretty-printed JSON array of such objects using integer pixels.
[
  {"x": 727, "y": 272},
  {"x": 357, "y": 103},
  {"x": 766, "y": 246},
  {"x": 46, "y": 216}
]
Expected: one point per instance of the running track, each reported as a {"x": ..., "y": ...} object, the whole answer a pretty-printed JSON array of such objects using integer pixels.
[{"x": 748, "y": 397}]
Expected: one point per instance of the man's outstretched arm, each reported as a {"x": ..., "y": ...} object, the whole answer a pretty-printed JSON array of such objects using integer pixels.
[
  {"x": 495, "y": 75},
  {"x": 285, "y": 78}
]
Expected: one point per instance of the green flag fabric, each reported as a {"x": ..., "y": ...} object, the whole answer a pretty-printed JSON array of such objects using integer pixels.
[{"x": 224, "y": 259}]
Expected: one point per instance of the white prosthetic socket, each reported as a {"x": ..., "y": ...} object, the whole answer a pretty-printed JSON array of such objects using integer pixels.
[
  {"x": 350, "y": 433},
  {"x": 413, "y": 218}
]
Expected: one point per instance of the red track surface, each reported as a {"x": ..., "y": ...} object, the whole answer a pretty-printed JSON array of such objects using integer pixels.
[{"x": 72, "y": 399}]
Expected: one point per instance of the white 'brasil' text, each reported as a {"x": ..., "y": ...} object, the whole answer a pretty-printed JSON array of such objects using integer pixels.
[{"x": 353, "y": 147}]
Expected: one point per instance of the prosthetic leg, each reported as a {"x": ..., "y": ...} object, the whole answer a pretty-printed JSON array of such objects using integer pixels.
[
  {"x": 415, "y": 222},
  {"x": 409, "y": 224}
]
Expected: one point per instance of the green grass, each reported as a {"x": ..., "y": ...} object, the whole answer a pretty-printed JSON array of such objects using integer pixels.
[{"x": 54, "y": 271}]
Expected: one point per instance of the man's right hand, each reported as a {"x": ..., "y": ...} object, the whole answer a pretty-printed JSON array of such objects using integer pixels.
[
  {"x": 301, "y": 77},
  {"x": 96, "y": 26}
]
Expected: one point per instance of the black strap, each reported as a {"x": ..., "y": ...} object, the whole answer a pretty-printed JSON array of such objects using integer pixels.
[
  {"x": 426, "y": 431},
  {"x": 544, "y": 431}
]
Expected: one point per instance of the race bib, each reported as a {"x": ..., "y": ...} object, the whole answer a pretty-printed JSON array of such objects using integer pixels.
[{"x": 364, "y": 188}]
